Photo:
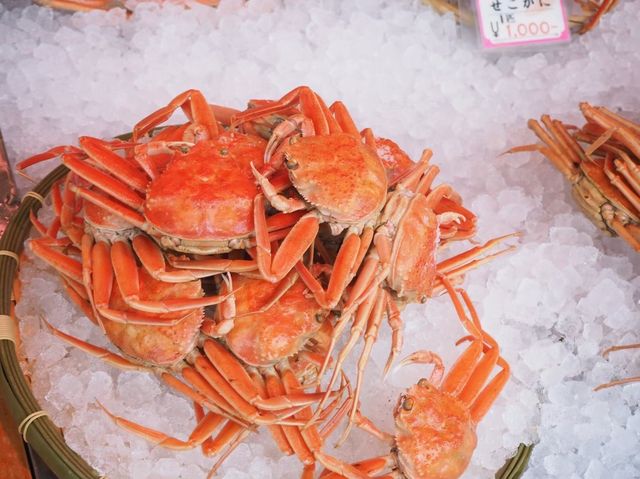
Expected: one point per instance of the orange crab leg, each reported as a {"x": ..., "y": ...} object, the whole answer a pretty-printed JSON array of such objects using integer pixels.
[
  {"x": 488, "y": 395},
  {"x": 194, "y": 106},
  {"x": 238, "y": 377},
  {"x": 211, "y": 266},
  {"x": 627, "y": 168},
  {"x": 362, "y": 315},
  {"x": 343, "y": 117},
  {"x": 153, "y": 261},
  {"x": 276, "y": 431},
  {"x": 242, "y": 407},
  {"x": 603, "y": 8},
  {"x": 345, "y": 266},
  {"x": 209, "y": 444},
  {"x": 375, "y": 465},
  {"x": 294, "y": 438},
  {"x": 108, "y": 184},
  {"x": 395, "y": 323},
  {"x": 370, "y": 336},
  {"x": 617, "y": 181},
  {"x": 200, "y": 434},
  {"x": 126, "y": 274},
  {"x": 310, "y": 438},
  {"x": 60, "y": 261},
  {"x": 78, "y": 299},
  {"x": 54, "y": 152},
  {"x": 102, "y": 154},
  {"x": 98, "y": 352},
  {"x": 201, "y": 388},
  {"x": 292, "y": 248},
  {"x": 427, "y": 357},
  {"x": 629, "y": 232},
  {"x": 554, "y": 153},
  {"x": 217, "y": 381}
]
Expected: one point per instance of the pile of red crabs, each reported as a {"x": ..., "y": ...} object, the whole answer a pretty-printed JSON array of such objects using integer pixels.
[{"x": 242, "y": 256}]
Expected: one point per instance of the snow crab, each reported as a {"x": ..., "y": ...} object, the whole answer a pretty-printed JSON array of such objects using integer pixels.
[
  {"x": 337, "y": 176},
  {"x": 105, "y": 270},
  {"x": 436, "y": 418},
  {"x": 170, "y": 194},
  {"x": 257, "y": 378},
  {"x": 390, "y": 278},
  {"x": 601, "y": 162}
]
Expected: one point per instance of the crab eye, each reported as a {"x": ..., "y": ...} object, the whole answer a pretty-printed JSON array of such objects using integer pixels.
[
  {"x": 319, "y": 317},
  {"x": 424, "y": 383},
  {"x": 407, "y": 403},
  {"x": 290, "y": 164}
]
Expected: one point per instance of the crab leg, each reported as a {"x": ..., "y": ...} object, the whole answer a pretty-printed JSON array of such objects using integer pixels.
[
  {"x": 608, "y": 120},
  {"x": 54, "y": 152},
  {"x": 372, "y": 466},
  {"x": 107, "y": 183},
  {"x": 370, "y": 336},
  {"x": 102, "y": 154},
  {"x": 240, "y": 406},
  {"x": 362, "y": 315},
  {"x": 126, "y": 274},
  {"x": 395, "y": 323},
  {"x": 488, "y": 395},
  {"x": 616, "y": 180},
  {"x": 276, "y": 430},
  {"x": 292, "y": 248},
  {"x": 209, "y": 446},
  {"x": 153, "y": 261},
  {"x": 59, "y": 261},
  {"x": 346, "y": 264},
  {"x": 567, "y": 167},
  {"x": 627, "y": 168},
  {"x": 78, "y": 299},
  {"x": 194, "y": 106},
  {"x": 201, "y": 388},
  {"x": 311, "y": 439},
  {"x": 603, "y": 8},
  {"x": 96, "y": 351},
  {"x": 200, "y": 434},
  {"x": 238, "y": 377}
]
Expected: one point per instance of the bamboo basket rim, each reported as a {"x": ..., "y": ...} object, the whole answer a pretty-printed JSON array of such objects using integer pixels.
[{"x": 43, "y": 435}]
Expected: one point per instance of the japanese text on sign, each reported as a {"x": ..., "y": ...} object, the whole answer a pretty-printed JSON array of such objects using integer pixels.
[{"x": 518, "y": 22}]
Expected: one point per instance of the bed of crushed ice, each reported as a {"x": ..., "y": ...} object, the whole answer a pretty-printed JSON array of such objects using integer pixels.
[{"x": 554, "y": 305}]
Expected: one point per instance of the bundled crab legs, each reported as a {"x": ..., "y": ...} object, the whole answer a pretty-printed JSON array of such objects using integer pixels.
[
  {"x": 601, "y": 159},
  {"x": 602, "y": 162},
  {"x": 229, "y": 254}
]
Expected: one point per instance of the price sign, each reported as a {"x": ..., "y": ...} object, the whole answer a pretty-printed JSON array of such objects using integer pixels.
[{"x": 519, "y": 22}]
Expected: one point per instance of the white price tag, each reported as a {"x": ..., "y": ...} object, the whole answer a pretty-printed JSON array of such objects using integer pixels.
[{"x": 519, "y": 22}]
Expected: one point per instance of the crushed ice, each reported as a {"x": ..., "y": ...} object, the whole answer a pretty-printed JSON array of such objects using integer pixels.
[{"x": 565, "y": 295}]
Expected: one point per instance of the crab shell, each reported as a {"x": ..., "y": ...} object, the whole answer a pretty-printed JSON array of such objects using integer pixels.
[
  {"x": 263, "y": 339},
  {"x": 338, "y": 174},
  {"x": 413, "y": 254},
  {"x": 435, "y": 436},
  {"x": 157, "y": 345},
  {"x": 203, "y": 200}
]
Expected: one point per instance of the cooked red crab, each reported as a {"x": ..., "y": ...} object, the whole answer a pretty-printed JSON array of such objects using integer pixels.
[
  {"x": 436, "y": 419},
  {"x": 191, "y": 188},
  {"x": 337, "y": 176}
]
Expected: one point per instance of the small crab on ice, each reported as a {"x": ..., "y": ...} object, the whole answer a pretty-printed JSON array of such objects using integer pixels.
[{"x": 436, "y": 418}]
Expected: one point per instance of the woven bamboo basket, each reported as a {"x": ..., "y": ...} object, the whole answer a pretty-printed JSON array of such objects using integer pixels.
[{"x": 42, "y": 434}]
